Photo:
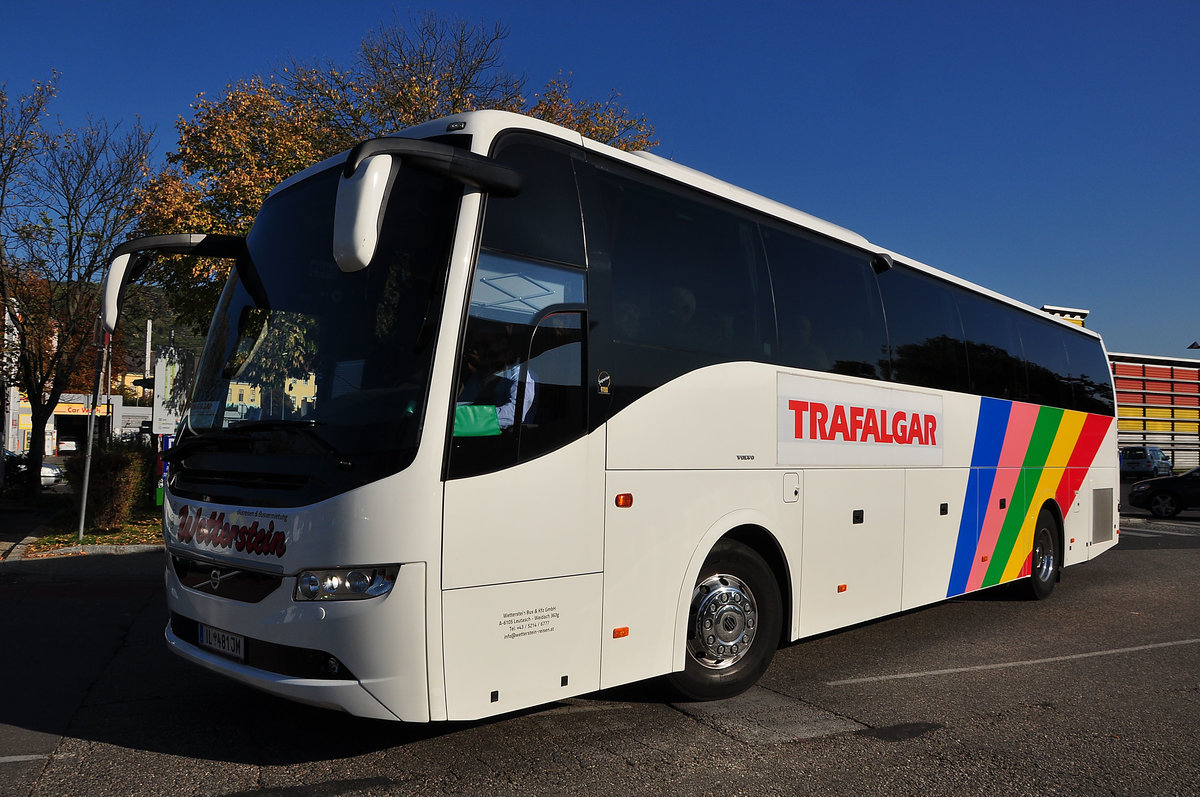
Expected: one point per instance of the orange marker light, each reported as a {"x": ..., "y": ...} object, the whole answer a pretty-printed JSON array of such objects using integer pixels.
[
  {"x": 620, "y": 633},
  {"x": 625, "y": 500},
  {"x": 841, "y": 588}
]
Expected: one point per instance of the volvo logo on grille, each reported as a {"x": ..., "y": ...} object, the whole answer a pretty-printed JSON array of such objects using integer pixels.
[{"x": 216, "y": 577}]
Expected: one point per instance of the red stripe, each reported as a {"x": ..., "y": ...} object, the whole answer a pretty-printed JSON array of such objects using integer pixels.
[{"x": 1090, "y": 438}]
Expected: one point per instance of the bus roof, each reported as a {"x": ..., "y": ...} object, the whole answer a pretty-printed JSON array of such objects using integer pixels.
[{"x": 485, "y": 125}]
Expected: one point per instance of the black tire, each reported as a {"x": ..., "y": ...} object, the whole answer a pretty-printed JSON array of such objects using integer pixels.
[
  {"x": 1047, "y": 558},
  {"x": 1164, "y": 505},
  {"x": 737, "y": 598}
]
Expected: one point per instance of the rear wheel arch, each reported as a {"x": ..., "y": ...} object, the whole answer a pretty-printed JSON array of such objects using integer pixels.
[
  {"x": 1060, "y": 523},
  {"x": 1046, "y": 553}
]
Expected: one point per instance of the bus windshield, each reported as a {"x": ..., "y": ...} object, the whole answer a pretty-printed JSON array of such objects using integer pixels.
[{"x": 342, "y": 358}]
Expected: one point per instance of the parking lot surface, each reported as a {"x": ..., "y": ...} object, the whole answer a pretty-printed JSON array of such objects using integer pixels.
[{"x": 1094, "y": 691}]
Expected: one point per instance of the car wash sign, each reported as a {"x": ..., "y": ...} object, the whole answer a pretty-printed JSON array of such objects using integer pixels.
[{"x": 830, "y": 422}]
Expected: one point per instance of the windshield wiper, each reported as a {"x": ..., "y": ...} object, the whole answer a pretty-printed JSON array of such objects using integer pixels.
[
  {"x": 199, "y": 441},
  {"x": 271, "y": 424},
  {"x": 243, "y": 432},
  {"x": 307, "y": 426}
]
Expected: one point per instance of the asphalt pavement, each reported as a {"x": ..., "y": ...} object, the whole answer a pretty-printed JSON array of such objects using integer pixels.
[
  {"x": 65, "y": 620},
  {"x": 83, "y": 641}
]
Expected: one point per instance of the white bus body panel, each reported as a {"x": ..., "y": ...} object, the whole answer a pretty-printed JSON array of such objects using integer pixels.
[
  {"x": 722, "y": 417},
  {"x": 853, "y": 547},
  {"x": 503, "y": 527},
  {"x": 512, "y": 646},
  {"x": 930, "y": 536},
  {"x": 536, "y": 637},
  {"x": 655, "y": 548}
]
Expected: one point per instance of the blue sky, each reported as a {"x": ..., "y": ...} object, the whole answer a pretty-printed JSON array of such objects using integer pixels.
[{"x": 1048, "y": 150}]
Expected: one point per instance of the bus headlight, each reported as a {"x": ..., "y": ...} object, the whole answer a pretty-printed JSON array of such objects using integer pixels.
[{"x": 351, "y": 583}]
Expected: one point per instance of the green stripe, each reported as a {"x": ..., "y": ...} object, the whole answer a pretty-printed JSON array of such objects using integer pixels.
[{"x": 1040, "y": 442}]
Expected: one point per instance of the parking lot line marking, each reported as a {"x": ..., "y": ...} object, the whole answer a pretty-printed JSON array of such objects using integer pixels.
[
  {"x": 17, "y": 759},
  {"x": 1004, "y": 665},
  {"x": 1156, "y": 532}
]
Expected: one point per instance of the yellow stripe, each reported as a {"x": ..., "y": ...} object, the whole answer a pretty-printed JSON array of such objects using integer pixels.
[{"x": 1065, "y": 441}]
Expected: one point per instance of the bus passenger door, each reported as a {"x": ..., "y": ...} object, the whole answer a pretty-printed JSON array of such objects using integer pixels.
[{"x": 522, "y": 540}]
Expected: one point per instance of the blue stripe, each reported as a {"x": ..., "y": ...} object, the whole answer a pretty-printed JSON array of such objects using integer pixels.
[{"x": 989, "y": 441}]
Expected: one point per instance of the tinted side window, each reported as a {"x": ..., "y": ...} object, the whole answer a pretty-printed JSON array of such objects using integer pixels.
[
  {"x": 1045, "y": 361},
  {"x": 994, "y": 357},
  {"x": 826, "y": 305},
  {"x": 1091, "y": 381},
  {"x": 544, "y": 220},
  {"x": 686, "y": 271},
  {"x": 924, "y": 330}
]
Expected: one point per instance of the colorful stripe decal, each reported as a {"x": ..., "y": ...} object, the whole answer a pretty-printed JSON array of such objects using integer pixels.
[{"x": 1023, "y": 455}]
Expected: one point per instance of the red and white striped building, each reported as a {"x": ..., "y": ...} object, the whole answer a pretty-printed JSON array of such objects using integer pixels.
[{"x": 1158, "y": 399}]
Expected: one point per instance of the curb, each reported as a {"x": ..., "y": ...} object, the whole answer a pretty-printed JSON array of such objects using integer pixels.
[
  {"x": 81, "y": 550},
  {"x": 17, "y": 552}
]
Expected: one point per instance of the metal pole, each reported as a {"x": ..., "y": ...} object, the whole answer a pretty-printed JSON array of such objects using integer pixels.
[
  {"x": 146, "y": 372},
  {"x": 87, "y": 462},
  {"x": 108, "y": 390}
]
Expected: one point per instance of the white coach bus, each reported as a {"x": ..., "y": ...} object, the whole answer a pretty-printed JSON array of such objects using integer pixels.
[{"x": 491, "y": 415}]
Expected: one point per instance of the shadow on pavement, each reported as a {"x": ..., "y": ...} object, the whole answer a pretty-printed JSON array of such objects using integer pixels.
[{"x": 85, "y": 658}]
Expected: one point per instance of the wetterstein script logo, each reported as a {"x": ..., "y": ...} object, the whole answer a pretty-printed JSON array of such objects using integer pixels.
[{"x": 215, "y": 532}]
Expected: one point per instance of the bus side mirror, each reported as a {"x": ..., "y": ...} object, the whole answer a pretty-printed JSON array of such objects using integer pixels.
[
  {"x": 359, "y": 212},
  {"x": 110, "y": 293},
  {"x": 129, "y": 261}
]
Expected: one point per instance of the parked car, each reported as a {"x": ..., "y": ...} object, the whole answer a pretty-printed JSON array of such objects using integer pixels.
[
  {"x": 1141, "y": 462},
  {"x": 14, "y": 466},
  {"x": 51, "y": 474},
  {"x": 1167, "y": 496}
]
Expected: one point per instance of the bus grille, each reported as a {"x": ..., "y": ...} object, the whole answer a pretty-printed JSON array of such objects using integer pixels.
[{"x": 247, "y": 586}]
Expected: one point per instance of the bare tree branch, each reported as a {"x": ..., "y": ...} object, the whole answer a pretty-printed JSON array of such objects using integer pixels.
[{"x": 71, "y": 202}]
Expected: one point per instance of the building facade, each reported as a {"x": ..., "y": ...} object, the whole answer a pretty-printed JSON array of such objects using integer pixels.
[{"x": 1158, "y": 404}]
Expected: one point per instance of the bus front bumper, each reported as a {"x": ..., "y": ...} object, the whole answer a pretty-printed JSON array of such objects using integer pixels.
[{"x": 376, "y": 646}]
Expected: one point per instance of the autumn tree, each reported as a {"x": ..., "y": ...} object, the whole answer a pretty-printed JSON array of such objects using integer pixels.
[
  {"x": 20, "y": 127},
  {"x": 603, "y": 120},
  {"x": 235, "y": 149},
  {"x": 66, "y": 202}
]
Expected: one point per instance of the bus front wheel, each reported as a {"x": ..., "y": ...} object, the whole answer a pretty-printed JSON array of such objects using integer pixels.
[{"x": 734, "y": 623}]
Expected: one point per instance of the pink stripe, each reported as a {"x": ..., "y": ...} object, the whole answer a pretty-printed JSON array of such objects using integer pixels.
[
  {"x": 1016, "y": 440},
  {"x": 1012, "y": 456}
]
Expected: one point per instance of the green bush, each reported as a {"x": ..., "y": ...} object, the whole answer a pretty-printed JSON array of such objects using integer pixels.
[{"x": 120, "y": 479}]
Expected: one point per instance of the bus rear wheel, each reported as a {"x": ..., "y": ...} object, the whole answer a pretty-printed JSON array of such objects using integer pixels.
[
  {"x": 1046, "y": 557},
  {"x": 734, "y": 623}
]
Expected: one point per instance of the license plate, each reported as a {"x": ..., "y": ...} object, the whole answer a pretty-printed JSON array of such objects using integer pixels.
[{"x": 223, "y": 642}]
